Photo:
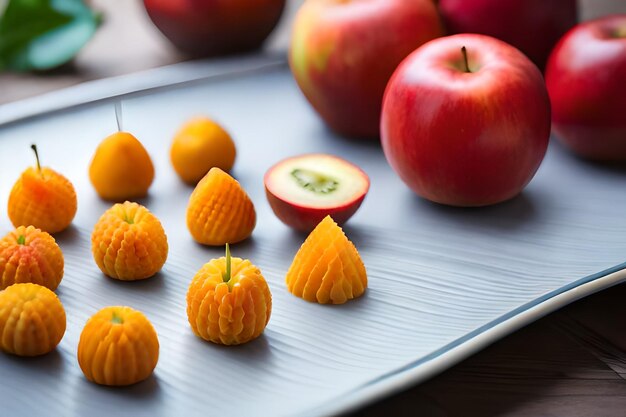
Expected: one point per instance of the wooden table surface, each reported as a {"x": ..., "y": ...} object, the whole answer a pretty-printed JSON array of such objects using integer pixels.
[{"x": 570, "y": 363}]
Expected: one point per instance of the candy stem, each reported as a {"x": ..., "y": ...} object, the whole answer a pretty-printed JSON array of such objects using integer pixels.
[
  {"x": 34, "y": 148},
  {"x": 464, "y": 52},
  {"x": 226, "y": 276},
  {"x": 118, "y": 115},
  {"x": 21, "y": 240},
  {"x": 116, "y": 318}
]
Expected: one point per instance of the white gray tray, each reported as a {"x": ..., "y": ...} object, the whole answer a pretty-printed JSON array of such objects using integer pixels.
[{"x": 443, "y": 282}]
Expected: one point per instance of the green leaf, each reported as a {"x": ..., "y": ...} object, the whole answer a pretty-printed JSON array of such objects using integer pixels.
[{"x": 43, "y": 34}]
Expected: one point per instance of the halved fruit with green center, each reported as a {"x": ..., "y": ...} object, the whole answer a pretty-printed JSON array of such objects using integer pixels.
[{"x": 304, "y": 189}]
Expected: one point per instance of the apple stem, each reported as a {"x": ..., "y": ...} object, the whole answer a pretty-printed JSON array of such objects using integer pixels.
[
  {"x": 464, "y": 52},
  {"x": 34, "y": 148},
  {"x": 226, "y": 276},
  {"x": 118, "y": 115}
]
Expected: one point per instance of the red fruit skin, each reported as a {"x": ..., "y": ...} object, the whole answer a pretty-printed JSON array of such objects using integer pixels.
[
  {"x": 466, "y": 139},
  {"x": 215, "y": 27},
  {"x": 343, "y": 53},
  {"x": 533, "y": 26},
  {"x": 304, "y": 218},
  {"x": 586, "y": 80}
]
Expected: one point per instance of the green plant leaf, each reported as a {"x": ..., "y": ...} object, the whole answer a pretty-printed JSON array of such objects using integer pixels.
[{"x": 43, "y": 34}]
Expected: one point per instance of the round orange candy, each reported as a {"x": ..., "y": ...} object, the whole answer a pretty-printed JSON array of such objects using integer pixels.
[
  {"x": 32, "y": 320},
  {"x": 118, "y": 346},
  {"x": 43, "y": 198},
  {"x": 128, "y": 242},
  {"x": 121, "y": 168},
  {"x": 200, "y": 145},
  {"x": 228, "y": 307},
  {"x": 28, "y": 254}
]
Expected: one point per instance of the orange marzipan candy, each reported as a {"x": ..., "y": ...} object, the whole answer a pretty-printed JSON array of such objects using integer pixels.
[
  {"x": 118, "y": 346},
  {"x": 327, "y": 267},
  {"x": 28, "y": 254},
  {"x": 128, "y": 242},
  {"x": 233, "y": 312},
  {"x": 44, "y": 199},
  {"x": 219, "y": 210},
  {"x": 32, "y": 320}
]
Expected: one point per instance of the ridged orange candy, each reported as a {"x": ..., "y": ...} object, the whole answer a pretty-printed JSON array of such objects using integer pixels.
[
  {"x": 121, "y": 168},
  {"x": 219, "y": 210},
  {"x": 118, "y": 346},
  {"x": 228, "y": 301},
  {"x": 32, "y": 320},
  {"x": 28, "y": 254},
  {"x": 328, "y": 267},
  {"x": 128, "y": 242},
  {"x": 43, "y": 198}
]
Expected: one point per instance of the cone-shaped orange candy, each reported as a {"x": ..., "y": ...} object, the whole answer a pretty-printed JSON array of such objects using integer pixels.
[
  {"x": 228, "y": 301},
  {"x": 43, "y": 198},
  {"x": 121, "y": 168},
  {"x": 28, "y": 254},
  {"x": 129, "y": 243},
  {"x": 219, "y": 210},
  {"x": 32, "y": 320},
  {"x": 118, "y": 346},
  {"x": 327, "y": 268}
]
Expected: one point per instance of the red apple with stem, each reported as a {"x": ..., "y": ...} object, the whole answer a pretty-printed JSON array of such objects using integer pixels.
[
  {"x": 304, "y": 189},
  {"x": 533, "y": 26},
  {"x": 586, "y": 79},
  {"x": 215, "y": 27},
  {"x": 343, "y": 52},
  {"x": 466, "y": 120}
]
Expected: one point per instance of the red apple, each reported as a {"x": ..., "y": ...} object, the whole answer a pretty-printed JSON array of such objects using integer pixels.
[
  {"x": 586, "y": 79},
  {"x": 304, "y": 189},
  {"x": 343, "y": 52},
  {"x": 215, "y": 27},
  {"x": 533, "y": 26},
  {"x": 466, "y": 129}
]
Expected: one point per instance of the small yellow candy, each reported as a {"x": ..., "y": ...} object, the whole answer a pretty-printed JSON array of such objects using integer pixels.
[
  {"x": 327, "y": 268},
  {"x": 32, "y": 320},
  {"x": 118, "y": 346},
  {"x": 228, "y": 301},
  {"x": 219, "y": 210}
]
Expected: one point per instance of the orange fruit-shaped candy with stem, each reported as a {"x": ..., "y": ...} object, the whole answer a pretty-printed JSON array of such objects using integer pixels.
[
  {"x": 28, "y": 254},
  {"x": 128, "y": 242},
  {"x": 200, "y": 145},
  {"x": 121, "y": 168},
  {"x": 219, "y": 210},
  {"x": 118, "y": 346},
  {"x": 32, "y": 320},
  {"x": 43, "y": 198},
  {"x": 228, "y": 301},
  {"x": 327, "y": 268}
]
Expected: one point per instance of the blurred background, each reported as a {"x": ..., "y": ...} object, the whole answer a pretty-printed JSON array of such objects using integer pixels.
[{"x": 127, "y": 41}]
